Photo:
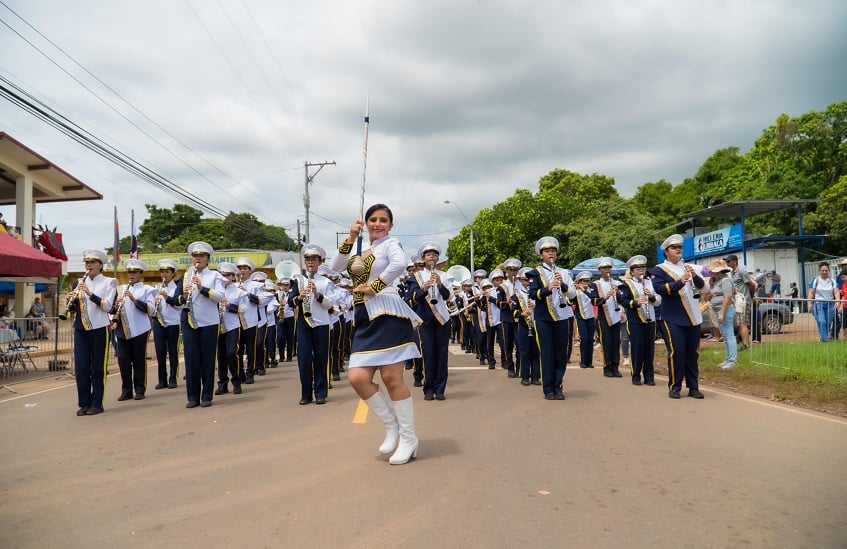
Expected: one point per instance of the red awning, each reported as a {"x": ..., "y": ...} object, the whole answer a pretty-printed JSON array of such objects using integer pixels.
[{"x": 19, "y": 259}]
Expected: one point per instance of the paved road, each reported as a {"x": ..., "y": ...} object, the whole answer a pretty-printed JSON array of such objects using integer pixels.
[{"x": 614, "y": 465}]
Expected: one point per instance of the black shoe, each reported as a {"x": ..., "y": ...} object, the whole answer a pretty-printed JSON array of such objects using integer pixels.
[
  {"x": 172, "y": 385},
  {"x": 418, "y": 383},
  {"x": 304, "y": 401},
  {"x": 607, "y": 373},
  {"x": 273, "y": 364},
  {"x": 511, "y": 374},
  {"x": 261, "y": 371},
  {"x": 429, "y": 396},
  {"x": 82, "y": 411},
  {"x": 636, "y": 382},
  {"x": 651, "y": 383},
  {"x": 440, "y": 397},
  {"x": 236, "y": 390},
  {"x": 250, "y": 380},
  {"x": 524, "y": 382},
  {"x": 617, "y": 374},
  {"x": 694, "y": 393},
  {"x": 221, "y": 391},
  {"x": 192, "y": 404},
  {"x": 341, "y": 369},
  {"x": 560, "y": 396},
  {"x": 336, "y": 377},
  {"x": 320, "y": 400},
  {"x": 581, "y": 365},
  {"x": 205, "y": 403},
  {"x": 124, "y": 397},
  {"x": 673, "y": 394},
  {"x": 160, "y": 386},
  {"x": 490, "y": 366},
  {"x": 536, "y": 382},
  {"x": 549, "y": 396},
  {"x": 139, "y": 397},
  {"x": 243, "y": 377},
  {"x": 94, "y": 410}
]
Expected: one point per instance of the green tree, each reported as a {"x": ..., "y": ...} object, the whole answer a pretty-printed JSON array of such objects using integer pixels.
[{"x": 164, "y": 225}]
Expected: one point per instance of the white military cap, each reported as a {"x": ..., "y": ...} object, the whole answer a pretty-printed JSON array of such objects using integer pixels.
[
  {"x": 313, "y": 249},
  {"x": 496, "y": 273},
  {"x": 167, "y": 264},
  {"x": 201, "y": 248},
  {"x": 94, "y": 255},
  {"x": 512, "y": 263},
  {"x": 285, "y": 280},
  {"x": 674, "y": 239},
  {"x": 245, "y": 262},
  {"x": 227, "y": 267},
  {"x": 259, "y": 276},
  {"x": 636, "y": 261},
  {"x": 467, "y": 282},
  {"x": 479, "y": 272},
  {"x": 411, "y": 263},
  {"x": 522, "y": 272},
  {"x": 582, "y": 275},
  {"x": 135, "y": 265},
  {"x": 429, "y": 247},
  {"x": 324, "y": 271},
  {"x": 269, "y": 286},
  {"x": 346, "y": 283},
  {"x": 605, "y": 262},
  {"x": 486, "y": 283},
  {"x": 456, "y": 284},
  {"x": 546, "y": 242}
]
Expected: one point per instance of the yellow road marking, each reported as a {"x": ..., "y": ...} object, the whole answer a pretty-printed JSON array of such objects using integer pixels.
[{"x": 361, "y": 415}]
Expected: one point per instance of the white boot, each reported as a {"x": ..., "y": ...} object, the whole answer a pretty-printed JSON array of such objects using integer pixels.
[
  {"x": 408, "y": 447},
  {"x": 381, "y": 407}
]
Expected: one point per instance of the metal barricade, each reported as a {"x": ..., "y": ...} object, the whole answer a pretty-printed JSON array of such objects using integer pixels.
[
  {"x": 806, "y": 339},
  {"x": 29, "y": 351}
]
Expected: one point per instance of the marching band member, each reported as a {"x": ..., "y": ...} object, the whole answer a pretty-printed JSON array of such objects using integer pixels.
[
  {"x": 551, "y": 288},
  {"x": 261, "y": 298},
  {"x": 166, "y": 320},
  {"x": 248, "y": 342},
  {"x": 271, "y": 313},
  {"x": 335, "y": 325},
  {"x": 609, "y": 315},
  {"x": 505, "y": 329},
  {"x": 285, "y": 327},
  {"x": 133, "y": 309},
  {"x": 522, "y": 306},
  {"x": 313, "y": 295},
  {"x": 508, "y": 321},
  {"x": 466, "y": 317},
  {"x": 347, "y": 318},
  {"x": 430, "y": 289},
  {"x": 231, "y": 311},
  {"x": 202, "y": 290},
  {"x": 492, "y": 316},
  {"x": 675, "y": 281},
  {"x": 385, "y": 333},
  {"x": 638, "y": 299},
  {"x": 91, "y": 299},
  {"x": 586, "y": 299}
]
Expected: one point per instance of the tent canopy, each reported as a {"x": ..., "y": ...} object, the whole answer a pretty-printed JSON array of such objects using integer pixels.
[
  {"x": 590, "y": 265},
  {"x": 18, "y": 259}
]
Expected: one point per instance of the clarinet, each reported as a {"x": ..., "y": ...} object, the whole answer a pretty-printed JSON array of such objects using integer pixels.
[
  {"x": 77, "y": 296},
  {"x": 307, "y": 301},
  {"x": 562, "y": 300},
  {"x": 433, "y": 290}
]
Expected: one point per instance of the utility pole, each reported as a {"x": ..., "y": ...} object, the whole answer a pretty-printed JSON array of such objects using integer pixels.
[{"x": 308, "y": 179}]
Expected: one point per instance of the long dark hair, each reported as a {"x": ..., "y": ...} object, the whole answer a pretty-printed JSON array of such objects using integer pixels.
[{"x": 376, "y": 207}]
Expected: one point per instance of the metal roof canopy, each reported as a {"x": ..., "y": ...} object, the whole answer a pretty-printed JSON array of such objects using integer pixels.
[
  {"x": 50, "y": 183},
  {"x": 745, "y": 208}
]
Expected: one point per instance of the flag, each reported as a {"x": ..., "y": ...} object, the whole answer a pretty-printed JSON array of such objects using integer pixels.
[
  {"x": 117, "y": 249},
  {"x": 133, "y": 247}
]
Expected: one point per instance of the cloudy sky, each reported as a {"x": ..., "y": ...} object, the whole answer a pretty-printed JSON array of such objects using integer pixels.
[{"x": 469, "y": 99}]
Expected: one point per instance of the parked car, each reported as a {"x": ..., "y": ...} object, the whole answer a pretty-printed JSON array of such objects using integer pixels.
[{"x": 773, "y": 315}]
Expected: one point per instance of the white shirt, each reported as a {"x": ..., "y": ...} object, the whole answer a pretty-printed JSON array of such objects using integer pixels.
[{"x": 131, "y": 320}]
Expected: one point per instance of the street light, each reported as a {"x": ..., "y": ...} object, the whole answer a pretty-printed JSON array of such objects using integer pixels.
[{"x": 469, "y": 225}]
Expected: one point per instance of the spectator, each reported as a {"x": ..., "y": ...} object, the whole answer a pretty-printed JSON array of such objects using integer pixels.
[
  {"x": 824, "y": 294},
  {"x": 776, "y": 284},
  {"x": 39, "y": 327},
  {"x": 793, "y": 292},
  {"x": 745, "y": 286}
]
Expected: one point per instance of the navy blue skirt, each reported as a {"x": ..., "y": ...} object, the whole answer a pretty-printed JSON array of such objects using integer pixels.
[{"x": 382, "y": 341}]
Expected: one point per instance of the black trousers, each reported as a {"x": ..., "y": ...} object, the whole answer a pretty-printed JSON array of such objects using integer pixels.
[
  {"x": 200, "y": 347},
  {"x": 610, "y": 342},
  {"x": 313, "y": 359},
  {"x": 435, "y": 339},
  {"x": 586, "y": 329},
  {"x": 551, "y": 346},
  {"x": 285, "y": 338},
  {"x": 227, "y": 358},
  {"x": 166, "y": 341},
  {"x": 132, "y": 361},
  {"x": 91, "y": 348}
]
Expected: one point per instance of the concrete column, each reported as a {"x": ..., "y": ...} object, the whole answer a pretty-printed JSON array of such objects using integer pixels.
[{"x": 24, "y": 216}]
